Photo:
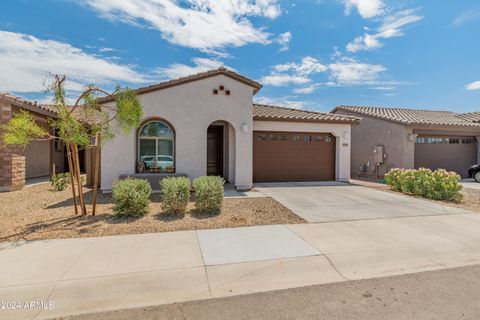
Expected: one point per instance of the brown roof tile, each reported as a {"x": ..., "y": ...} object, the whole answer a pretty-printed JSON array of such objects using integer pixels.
[
  {"x": 275, "y": 113},
  {"x": 32, "y": 106},
  {"x": 415, "y": 116}
]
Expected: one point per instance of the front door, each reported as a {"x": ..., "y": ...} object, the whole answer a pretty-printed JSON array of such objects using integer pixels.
[{"x": 215, "y": 151}]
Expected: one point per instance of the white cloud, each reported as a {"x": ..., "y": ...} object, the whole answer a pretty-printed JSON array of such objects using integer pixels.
[
  {"x": 473, "y": 86},
  {"x": 366, "y": 8},
  {"x": 350, "y": 72},
  {"x": 282, "y": 80},
  {"x": 178, "y": 70},
  {"x": 293, "y": 73},
  {"x": 308, "y": 65},
  {"x": 466, "y": 17},
  {"x": 307, "y": 90},
  {"x": 201, "y": 24},
  {"x": 285, "y": 101},
  {"x": 106, "y": 49},
  {"x": 390, "y": 27},
  {"x": 342, "y": 71},
  {"x": 384, "y": 88},
  {"x": 28, "y": 61},
  {"x": 284, "y": 40}
]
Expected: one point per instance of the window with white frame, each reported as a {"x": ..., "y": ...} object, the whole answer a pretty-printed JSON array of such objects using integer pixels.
[{"x": 156, "y": 143}]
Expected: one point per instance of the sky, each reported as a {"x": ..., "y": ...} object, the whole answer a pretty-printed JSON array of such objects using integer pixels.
[{"x": 308, "y": 54}]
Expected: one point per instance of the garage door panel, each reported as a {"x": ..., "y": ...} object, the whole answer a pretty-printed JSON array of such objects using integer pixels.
[
  {"x": 439, "y": 152},
  {"x": 37, "y": 159},
  {"x": 287, "y": 156}
]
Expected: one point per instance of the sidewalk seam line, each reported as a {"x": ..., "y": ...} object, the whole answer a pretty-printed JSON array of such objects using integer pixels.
[
  {"x": 321, "y": 253},
  {"x": 204, "y": 264},
  {"x": 63, "y": 274}
]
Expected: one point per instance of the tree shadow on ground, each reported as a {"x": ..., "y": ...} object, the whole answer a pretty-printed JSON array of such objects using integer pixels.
[
  {"x": 88, "y": 198},
  {"x": 102, "y": 198},
  {"x": 80, "y": 223},
  {"x": 200, "y": 214},
  {"x": 169, "y": 217}
]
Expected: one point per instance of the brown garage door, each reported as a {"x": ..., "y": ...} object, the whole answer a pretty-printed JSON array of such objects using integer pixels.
[
  {"x": 293, "y": 156},
  {"x": 448, "y": 152}
]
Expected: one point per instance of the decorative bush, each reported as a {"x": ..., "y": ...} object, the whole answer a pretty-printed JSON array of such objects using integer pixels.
[
  {"x": 438, "y": 185},
  {"x": 60, "y": 181},
  {"x": 131, "y": 197},
  {"x": 208, "y": 193},
  {"x": 175, "y": 194}
]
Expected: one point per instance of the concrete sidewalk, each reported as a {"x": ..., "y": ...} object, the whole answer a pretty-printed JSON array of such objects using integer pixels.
[{"x": 99, "y": 274}]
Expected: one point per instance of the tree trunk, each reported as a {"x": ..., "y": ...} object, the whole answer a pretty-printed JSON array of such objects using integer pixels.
[
  {"x": 71, "y": 171},
  {"x": 97, "y": 169},
  {"x": 79, "y": 179}
]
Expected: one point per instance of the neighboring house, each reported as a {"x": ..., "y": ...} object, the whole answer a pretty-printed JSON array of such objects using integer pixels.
[
  {"x": 207, "y": 124},
  {"x": 36, "y": 160},
  {"x": 413, "y": 138}
]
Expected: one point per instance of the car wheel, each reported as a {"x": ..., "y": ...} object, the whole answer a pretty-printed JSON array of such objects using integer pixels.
[{"x": 476, "y": 176}]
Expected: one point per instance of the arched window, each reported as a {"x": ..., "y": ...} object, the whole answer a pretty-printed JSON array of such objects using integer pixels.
[{"x": 156, "y": 147}]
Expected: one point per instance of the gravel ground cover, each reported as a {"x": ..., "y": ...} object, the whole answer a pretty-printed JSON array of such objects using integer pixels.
[{"x": 39, "y": 212}]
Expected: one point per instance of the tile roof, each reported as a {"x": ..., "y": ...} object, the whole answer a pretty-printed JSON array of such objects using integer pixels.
[
  {"x": 471, "y": 116},
  {"x": 199, "y": 76},
  {"x": 416, "y": 116},
  {"x": 50, "y": 110},
  {"x": 32, "y": 106},
  {"x": 275, "y": 113}
]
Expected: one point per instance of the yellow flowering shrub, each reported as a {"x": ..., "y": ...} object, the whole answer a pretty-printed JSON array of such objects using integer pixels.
[{"x": 438, "y": 185}]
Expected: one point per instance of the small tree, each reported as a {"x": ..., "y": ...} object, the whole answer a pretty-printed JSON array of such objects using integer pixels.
[{"x": 78, "y": 124}]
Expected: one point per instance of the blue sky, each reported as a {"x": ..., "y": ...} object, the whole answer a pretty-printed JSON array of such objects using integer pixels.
[{"x": 311, "y": 54}]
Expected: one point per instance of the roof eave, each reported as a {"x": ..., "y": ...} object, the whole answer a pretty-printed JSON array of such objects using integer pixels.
[
  {"x": 280, "y": 119},
  {"x": 200, "y": 76}
]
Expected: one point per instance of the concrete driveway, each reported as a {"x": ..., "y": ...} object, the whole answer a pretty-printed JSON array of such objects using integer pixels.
[
  {"x": 327, "y": 202},
  {"x": 470, "y": 184}
]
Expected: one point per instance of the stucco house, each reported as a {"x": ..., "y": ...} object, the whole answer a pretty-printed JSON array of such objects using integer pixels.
[
  {"x": 38, "y": 159},
  {"x": 412, "y": 138},
  {"x": 207, "y": 124}
]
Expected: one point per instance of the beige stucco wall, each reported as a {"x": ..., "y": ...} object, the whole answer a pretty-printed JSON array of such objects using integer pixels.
[
  {"x": 400, "y": 149},
  {"x": 340, "y": 131},
  {"x": 371, "y": 132},
  {"x": 190, "y": 108}
]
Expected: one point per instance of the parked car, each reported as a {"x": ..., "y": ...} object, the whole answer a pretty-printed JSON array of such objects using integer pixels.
[
  {"x": 474, "y": 172},
  {"x": 162, "y": 161}
]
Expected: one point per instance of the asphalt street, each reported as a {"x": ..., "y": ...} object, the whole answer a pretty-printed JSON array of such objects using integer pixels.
[{"x": 445, "y": 294}]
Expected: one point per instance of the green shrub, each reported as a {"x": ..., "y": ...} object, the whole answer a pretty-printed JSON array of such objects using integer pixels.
[
  {"x": 208, "y": 193},
  {"x": 438, "y": 185},
  {"x": 392, "y": 178},
  {"x": 60, "y": 181},
  {"x": 131, "y": 197},
  {"x": 175, "y": 194}
]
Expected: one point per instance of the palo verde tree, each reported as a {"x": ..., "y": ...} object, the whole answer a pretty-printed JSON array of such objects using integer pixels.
[{"x": 78, "y": 125}]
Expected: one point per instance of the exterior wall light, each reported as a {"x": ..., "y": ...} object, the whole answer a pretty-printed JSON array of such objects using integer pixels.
[{"x": 244, "y": 127}]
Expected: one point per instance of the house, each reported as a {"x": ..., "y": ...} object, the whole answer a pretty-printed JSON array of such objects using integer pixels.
[
  {"x": 412, "y": 138},
  {"x": 207, "y": 124},
  {"x": 38, "y": 159}
]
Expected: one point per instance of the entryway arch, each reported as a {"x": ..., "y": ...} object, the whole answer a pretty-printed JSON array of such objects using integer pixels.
[{"x": 221, "y": 150}]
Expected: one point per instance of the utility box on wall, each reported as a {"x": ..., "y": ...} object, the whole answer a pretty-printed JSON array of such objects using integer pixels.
[{"x": 379, "y": 154}]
